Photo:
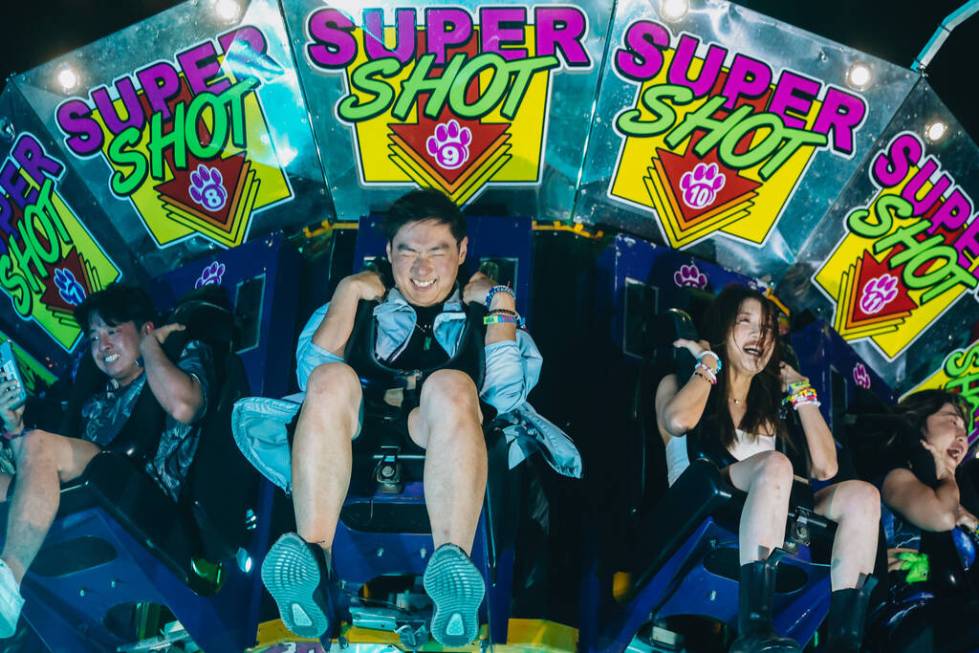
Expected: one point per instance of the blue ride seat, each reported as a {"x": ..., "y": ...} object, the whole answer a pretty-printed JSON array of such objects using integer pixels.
[
  {"x": 118, "y": 541},
  {"x": 685, "y": 559},
  {"x": 692, "y": 567},
  {"x": 384, "y": 531}
]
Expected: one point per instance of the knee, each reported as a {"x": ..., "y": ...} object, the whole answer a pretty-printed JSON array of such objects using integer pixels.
[
  {"x": 333, "y": 381},
  {"x": 775, "y": 468},
  {"x": 32, "y": 447},
  {"x": 861, "y": 500},
  {"x": 445, "y": 390}
]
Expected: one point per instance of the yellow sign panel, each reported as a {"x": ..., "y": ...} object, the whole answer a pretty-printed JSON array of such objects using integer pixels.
[
  {"x": 709, "y": 148},
  {"x": 907, "y": 257},
  {"x": 49, "y": 261},
  {"x": 450, "y": 103},
  {"x": 187, "y": 144}
]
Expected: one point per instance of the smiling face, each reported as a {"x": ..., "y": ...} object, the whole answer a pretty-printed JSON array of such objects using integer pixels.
[
  {"x": 945, "y": 430},
  {"x": 425, "y": 260},
  {"x": 750, "y": 340},
  {"x": 115, "y": 349}
]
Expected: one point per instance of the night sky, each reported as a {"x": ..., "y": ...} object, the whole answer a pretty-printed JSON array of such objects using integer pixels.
[{"x": 895, "y": 30}]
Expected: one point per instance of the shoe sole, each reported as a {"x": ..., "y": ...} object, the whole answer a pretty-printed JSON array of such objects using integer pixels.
[
  {"x": 292, "y": 576},
  {"x": 456, "y": 588}
]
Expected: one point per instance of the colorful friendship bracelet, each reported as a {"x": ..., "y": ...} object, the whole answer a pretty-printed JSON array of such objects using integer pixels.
[
  {"x": 795, "y": 386},
  {"x": 502, "y": 318},
  {"x": 802, "y": 394}
]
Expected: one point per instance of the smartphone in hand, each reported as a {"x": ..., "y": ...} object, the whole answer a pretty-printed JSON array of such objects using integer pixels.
[{"x": 9, "y": 370}]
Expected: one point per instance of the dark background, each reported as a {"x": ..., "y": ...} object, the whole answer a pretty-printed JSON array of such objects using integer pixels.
[{"x": 895, "y": 30}]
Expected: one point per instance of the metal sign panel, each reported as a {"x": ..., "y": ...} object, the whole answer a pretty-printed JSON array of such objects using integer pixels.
[
  {"x": 489, "y": 101},
  {"x": 727, "y": 132},
  {"x": 189, "y": 128},
  {"x": 895, "y": 261},
  {"x": 50, "y": 256}
]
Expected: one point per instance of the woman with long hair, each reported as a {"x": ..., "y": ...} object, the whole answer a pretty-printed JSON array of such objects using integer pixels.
[
  {"x": 729, "y": 412},
  {"x": 933, "y": 603}
]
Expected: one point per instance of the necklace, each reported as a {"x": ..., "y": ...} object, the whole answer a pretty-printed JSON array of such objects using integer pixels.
[
  {"x": 426, "y": 331},
  {"x": 737, "y": 402}
]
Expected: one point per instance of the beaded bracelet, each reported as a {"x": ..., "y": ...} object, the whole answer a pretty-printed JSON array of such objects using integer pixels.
[
  {"x": 718, "y": 365},
  {"x": 702, "y": 375},
  {"x": 503, "y": 311},
  {"x": 708, "y": 374},
  {"x": 506, "y": 290}
]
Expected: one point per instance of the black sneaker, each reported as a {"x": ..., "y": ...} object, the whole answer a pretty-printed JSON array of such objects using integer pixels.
[
  {"x": 305, "y": 589},
  {"x": 456, "y": 588}
]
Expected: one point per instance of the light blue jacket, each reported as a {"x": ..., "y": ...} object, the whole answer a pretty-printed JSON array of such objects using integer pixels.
[{"x": 512, "y": 370}]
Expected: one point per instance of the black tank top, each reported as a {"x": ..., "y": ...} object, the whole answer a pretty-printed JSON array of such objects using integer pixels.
[{"x": 378, "y": 377}]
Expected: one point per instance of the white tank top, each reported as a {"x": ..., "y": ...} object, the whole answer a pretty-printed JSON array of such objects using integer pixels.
[{"x": 744, "y": 447}]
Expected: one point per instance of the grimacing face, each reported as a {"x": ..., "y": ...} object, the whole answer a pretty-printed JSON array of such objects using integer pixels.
[
  {"x": 750, "y": 342},
  {"x": 115, "y": 349},
  {"x": 425, "y": 260},
  {"x": 945, "y": 430}
]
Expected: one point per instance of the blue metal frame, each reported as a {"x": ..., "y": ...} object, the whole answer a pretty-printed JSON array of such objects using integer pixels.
[
  {"x": 690, "y": 589},
  {"x": 66, "y": 611}
]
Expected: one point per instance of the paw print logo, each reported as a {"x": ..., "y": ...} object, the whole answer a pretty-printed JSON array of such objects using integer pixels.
[
  {"x": 212, "y": 274},
  {"x": 878, "y": 293},
  {"x": 72, "y": 292},
  {"x": 207, "y": 188},
  {"x": 861, "y": 376},
  {"x": 701, "y": 185},
  {"x": 450, "y": 144},
  {"x": 690, "y": 276}
]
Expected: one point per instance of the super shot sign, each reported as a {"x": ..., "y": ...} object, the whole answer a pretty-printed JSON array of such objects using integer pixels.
[
  {"x": 447, "y": 97},
  {"x": 186, "y": 142},
  {"x": 717, "y": 140}
]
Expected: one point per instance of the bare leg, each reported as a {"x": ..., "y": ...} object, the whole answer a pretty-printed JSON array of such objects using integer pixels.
[
  {"x": 44, "y": 461},
  {"x": 322, "y": 451},
  {"x": 767, "y": 478},
  {"x": 855, "y": 507},
  {"x": 448, "y": 425}
]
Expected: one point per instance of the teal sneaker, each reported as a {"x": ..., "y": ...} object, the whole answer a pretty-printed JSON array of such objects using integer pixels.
[
  {"x": 456, "y": 588},
  {"x": 304, "y": 588}
]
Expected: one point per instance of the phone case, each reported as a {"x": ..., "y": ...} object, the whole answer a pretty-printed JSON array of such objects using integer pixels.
[{"x": 10, "y": 370}]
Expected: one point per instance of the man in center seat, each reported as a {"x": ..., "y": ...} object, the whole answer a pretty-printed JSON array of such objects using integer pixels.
[{"x": 418, "y": 333}]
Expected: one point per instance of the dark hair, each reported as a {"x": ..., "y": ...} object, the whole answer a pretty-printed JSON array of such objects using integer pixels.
[
  {"x": 116, "y": 305},
  {"x": 916, "y": 408},
  {"x": 765, "y": 393},
  {"x": 427, "y": 204}
]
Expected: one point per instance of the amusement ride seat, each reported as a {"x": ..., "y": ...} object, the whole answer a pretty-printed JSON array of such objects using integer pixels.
[
  {"x": 686, "y": 560},
  {"x": 119, "y": 543},
  {"x": 383, "y": 539}
]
